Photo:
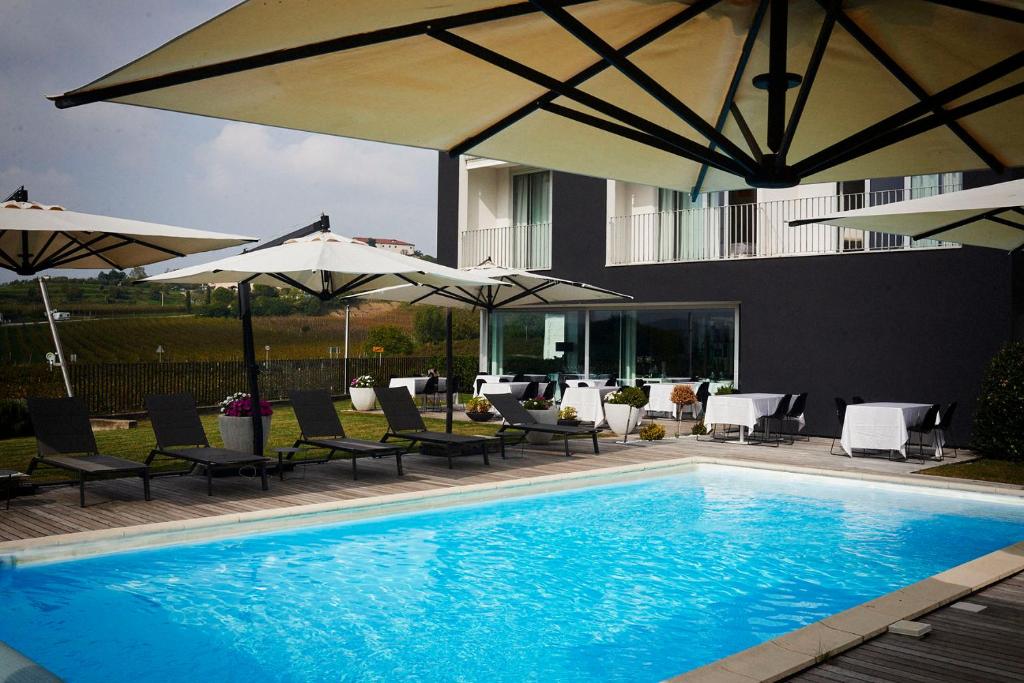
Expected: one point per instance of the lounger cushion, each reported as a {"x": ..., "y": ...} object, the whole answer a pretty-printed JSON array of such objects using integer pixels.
[
  {"x": 214, "y": 456},
  {"x": 93, "y": 463},
  {"x": 555, "y": 429},
  {"x": 441, "y": 437},
  {"x": 354, "y": 446}
]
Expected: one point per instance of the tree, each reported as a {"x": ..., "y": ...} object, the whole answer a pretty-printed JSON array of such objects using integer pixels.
[
  {"x": 394, "y": 340},
  {"x": 999, "y": 420},
  {"x": 112, "y": 276},
  {"x": 136, "y": 273},
  {"x": 428, "y": 324},
  {"x": 188, "y": 300}
]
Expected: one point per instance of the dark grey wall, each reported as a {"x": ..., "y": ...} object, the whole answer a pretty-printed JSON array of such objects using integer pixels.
[{"x": 903, "y": 326}]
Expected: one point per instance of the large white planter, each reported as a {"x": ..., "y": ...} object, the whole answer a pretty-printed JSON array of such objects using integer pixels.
[
  {"x": 547, "y": 417},
  {"x": 363, "y": 398},
  {"x": 622, "y": 419},
  {"x": 236, "y": 432}
]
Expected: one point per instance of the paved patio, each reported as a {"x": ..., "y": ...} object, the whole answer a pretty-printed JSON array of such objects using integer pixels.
[{"x": 118, "y": 503}]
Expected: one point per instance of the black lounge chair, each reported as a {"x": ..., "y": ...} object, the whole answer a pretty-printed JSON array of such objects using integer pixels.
[
  {"x": 320, "y": 427},
  {"x": 62, "y": 430},
  {"x": 180, "y": 434},
  {"x": 518, "y": 417},
  {"x": 405, "y": 422}
]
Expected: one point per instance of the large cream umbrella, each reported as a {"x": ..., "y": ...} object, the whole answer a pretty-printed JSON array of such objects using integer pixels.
[
  {"x": 684, "y": 94},
  {"x": 990, "y": 216},
  {"x": 38, "y": 237},
  {"x": 325, "y": 265}
]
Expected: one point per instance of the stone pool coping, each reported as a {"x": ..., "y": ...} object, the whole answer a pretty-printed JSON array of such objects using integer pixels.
[{"x": 85, "y": 544}]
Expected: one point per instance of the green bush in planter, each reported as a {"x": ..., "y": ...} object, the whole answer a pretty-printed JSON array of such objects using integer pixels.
[
  {"x": 999, "y": 420},
  {"x": 629, "y": 396},
  {"x": 725, "y": 389}
]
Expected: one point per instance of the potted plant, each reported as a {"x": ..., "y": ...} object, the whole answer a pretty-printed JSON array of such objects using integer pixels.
[
  {"x": 682, "y": 396},
  {"x": 568, "y": 416},
  {"x": 235, "y": 421},
  {"x": 652, "y": 432},
  {"x": 361, "y": 392},
  {"x": 478, "y": 409},
  {"x": 623, "y": 409},
  {"x": 545, "y": 413},
  {"x": 725, "y": 389}
]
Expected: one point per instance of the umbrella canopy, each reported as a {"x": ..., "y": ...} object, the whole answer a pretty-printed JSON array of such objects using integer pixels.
[
  {"x": 326, "y": 265},
  {"x": 524, "y": 289},
  {"x": 991, "y": 216},
  {"x": 684, "y": 94},
  {"x": 36, "y": 237}
]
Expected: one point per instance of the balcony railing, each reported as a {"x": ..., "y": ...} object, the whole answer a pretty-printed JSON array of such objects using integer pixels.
[
  {"x": 756, "y": 230},
  {"x": 519, "y": 246}
]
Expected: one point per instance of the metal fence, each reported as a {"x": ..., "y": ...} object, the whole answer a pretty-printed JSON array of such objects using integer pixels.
[
  {"x": 755, "y": 230},
  {"x": 112, "y": 388},
  {"x": 518, "y": 246}
]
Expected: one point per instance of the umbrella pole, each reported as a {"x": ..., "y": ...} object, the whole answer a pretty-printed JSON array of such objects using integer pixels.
[
  {"x": 449, "y": 371},
  {"x": 251, "y": 367},
  {"x": 56, "y": 337}
]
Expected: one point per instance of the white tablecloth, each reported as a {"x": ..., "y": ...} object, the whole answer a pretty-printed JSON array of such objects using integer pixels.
[
  {"x": 492, "y": 378},
  {"x": 588, "y": 402},
  {"x": 740, "y": 409},
  {"x": 661, "y": 397},
  {"x": 514, "y": 388},
  {"x": 884, "y": 427},
  {"x": 592, "y": 383},
  {"x": 415, "y": 385}
]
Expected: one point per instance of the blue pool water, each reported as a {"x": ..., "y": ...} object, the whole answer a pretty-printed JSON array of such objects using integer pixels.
[{"x": 634, "y": 581}]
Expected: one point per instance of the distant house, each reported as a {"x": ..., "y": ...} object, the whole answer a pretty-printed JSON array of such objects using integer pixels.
[{"x": 407, "y": 248}]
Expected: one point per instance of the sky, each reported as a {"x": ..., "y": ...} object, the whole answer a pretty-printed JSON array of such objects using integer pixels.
[{"x": 179, "y": 169}]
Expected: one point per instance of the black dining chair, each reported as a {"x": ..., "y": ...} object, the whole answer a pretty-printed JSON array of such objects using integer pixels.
[
  {"x": 946, "y": 424},
  {"x": 582, "y": 385},
  {"x": 549, "y": 391},
  {"x": 519, "y": 377},
  {"x": 562, "y": 388},
  {"x": 504, "y": 379},
  {"x": 779, "y": 416},
  {"x": 703, "y": 393},
  {"x": 613, "y": 381},
  {"x": 841, "y": 416},
  {"x": 794, "y": 415},
  {"x": 639, "y": 382},
  {"x": 531, "y": 391},
  {"x": 430, "y": 390},
  {"x": 927, "y": 425},
  {"x": 646, "y": 388},
  {"x": 480, "y": 381}
]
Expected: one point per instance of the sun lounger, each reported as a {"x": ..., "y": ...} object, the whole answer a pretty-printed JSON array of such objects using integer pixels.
[
  {"x": 320, "y": 427},
  {"x": 180, "y": 434},
  {"x": 405, "y": 422},
  {"x": 65, "y": 440},
  {"x": 518, "y": 417}
]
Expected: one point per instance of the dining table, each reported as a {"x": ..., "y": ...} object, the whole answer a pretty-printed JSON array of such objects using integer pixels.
[
  {"x": 742, "y": 410},
  {"x": 885, "y": 426},
  {"x": 416, "y": 385},
  {"x": 588, "y": 402},
  {"x": 517, "y": 389}
]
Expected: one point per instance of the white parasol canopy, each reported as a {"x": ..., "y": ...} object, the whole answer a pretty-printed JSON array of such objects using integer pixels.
[
  {"x": 990, "y": 216},
  {"x": 325, "y": 264},
  {"x": 524, "y": 289},
  {"x": 36, "y": 237},
  {"x": 682, "y": 94}
]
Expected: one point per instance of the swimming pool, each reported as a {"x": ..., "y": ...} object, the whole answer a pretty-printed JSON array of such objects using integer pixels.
[{"x": 634, "y": 581}]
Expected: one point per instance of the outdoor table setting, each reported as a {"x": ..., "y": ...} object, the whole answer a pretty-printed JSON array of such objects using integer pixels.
[
  {"x": 592, "y": 383},
  {"x": 416, "y": 385},
  {"x": 517, "y": 389},
  {"x": 493, "y": 379},
  {"x": 661, "y": 397},
  {"x": 743, "y": 410},
  {"x": 885, "y": 426},
  {"x": 588, "y": 402}
]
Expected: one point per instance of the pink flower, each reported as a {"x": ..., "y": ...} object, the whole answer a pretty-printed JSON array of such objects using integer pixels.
[{"x": 243, "y": 408}]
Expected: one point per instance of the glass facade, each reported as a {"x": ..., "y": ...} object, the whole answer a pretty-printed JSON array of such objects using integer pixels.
[{"x": 649, "y": 343}]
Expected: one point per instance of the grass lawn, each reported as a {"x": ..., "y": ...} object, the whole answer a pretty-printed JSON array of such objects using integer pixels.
[
  {"x": 986, "y": 469},
  {"x": 135, "y": 444}
]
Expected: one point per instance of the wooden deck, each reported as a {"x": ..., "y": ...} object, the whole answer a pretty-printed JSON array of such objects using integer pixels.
[
  {"x": 118, "y": 503},
  {"x": 963, "y": 646}
]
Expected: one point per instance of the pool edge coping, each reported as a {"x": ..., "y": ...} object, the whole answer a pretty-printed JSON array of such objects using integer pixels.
[{"x": 84, "y": 544}]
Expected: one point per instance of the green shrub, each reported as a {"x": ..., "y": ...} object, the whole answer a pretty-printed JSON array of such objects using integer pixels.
[
  {"x": 393, "y": 338},
  {"x": 14, "y": 418},
  {"x": 999, "y": 421},
  {"x": 629, "y": 396},
  {"x": 465, "y": 369},
  {"x": 725, "y": 389},
  {"x": 652, "y": 432},
  {"x": 698, "y": 428}
]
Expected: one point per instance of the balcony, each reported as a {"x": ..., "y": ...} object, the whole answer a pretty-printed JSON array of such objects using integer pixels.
[
  {"x": 757, "y": 230},
  {"x": 520, "y": 246}
]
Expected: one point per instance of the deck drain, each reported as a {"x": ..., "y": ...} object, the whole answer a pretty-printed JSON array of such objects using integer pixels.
[
  {"x": 914, "y": 629},
  {"x": 968, "y": 606}
]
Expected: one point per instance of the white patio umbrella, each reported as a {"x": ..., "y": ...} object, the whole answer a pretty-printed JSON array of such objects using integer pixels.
[
  {"x": 684, "y": 94},
  {"x": 990, "y": 216},
  {"x": 325, "y": 265},
  {"x": 37, "y": 237}
]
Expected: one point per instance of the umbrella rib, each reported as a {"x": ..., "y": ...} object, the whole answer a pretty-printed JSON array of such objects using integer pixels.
[
  {"x": 291, "y": 282},
  {"x": 1007, "y": 222},
  {"x": 586, "y": 99},
  {"x": 928, "y": 123},
  {"x": 42, "y": 250},
  {"x": 291, "y": 54},
  {"x": 586, "y": 74},
  {"x": 87, "y": 247},
  {"x": 986, "y": 8},
  {"x": 642, "y": 79},
  {"x": 148, "y": 245},
  {"x": 430, "y": 293},
  {"x": 817, "y": 54},
  {"x": 70, "y": 246},
  {"x": 915, "y": 88},
  {"x": 358, "y": 281},
  {"x": 956, "y": 224},
  {"x": 730, "y": 95},
  {"x": 851, "y": 145},
  {"x": 748, "y": 135},
  {"x": 7, "y": 257}
]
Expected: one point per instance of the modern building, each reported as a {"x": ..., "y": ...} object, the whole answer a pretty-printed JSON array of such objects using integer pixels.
[
  {"x": 406, "y": 248},
  {"x": 725, "y": 289}
]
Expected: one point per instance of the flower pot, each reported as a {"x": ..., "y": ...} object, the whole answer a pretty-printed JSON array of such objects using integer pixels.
[
  {"x": 236, "y": 432},
  {"x": 476, "y": 416},
  {"x": 622, "y": 419},
  {"x": 547, "y": 417},
  {"x": 363, "y": 398}
]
